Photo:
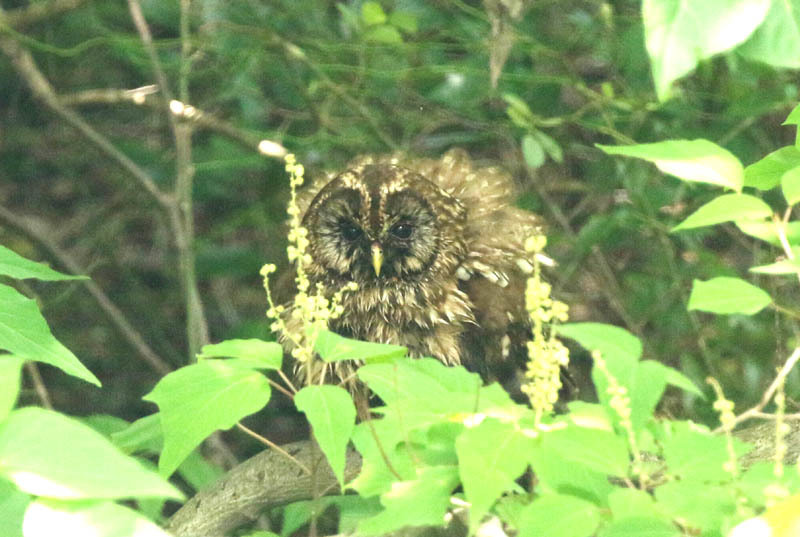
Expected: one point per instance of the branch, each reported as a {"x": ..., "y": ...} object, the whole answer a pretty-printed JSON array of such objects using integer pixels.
[
  {"x": 26, "y": 67},
  {"x": 264, "y": 481},
  {"x": 41, "y": 235}
]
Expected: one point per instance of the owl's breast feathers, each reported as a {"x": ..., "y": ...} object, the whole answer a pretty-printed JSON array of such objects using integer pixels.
[{"x": 467, "y": 306}]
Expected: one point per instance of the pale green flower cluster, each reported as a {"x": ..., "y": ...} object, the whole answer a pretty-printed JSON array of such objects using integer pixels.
[
  {"x": 620, "y": 403},
  {"x": 311, "y": 308},
  {"x": 727, "y": 419},
  {"x": 547, "y": 355}
]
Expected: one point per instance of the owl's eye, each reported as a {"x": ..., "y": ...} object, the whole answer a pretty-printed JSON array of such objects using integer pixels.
[
  {"x": 350, "y": 231},
  {"x": 402, "y": 231}
]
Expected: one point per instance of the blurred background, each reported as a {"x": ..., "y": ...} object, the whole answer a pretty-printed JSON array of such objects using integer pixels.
[{"x": 532, "y": 86}]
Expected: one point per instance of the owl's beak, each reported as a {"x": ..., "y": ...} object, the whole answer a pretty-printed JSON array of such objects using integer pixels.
[{"x": 377, "y": 258}]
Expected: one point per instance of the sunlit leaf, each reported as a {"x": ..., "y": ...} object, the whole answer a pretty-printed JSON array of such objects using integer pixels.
[
  {"x": 606, "y": 338},
  {"x": 14, "y": 265},
  {"x": 332, "y": 347},
  {"x": 533, "y": 151},
  {"x": 726, "y": 208},
  {"x": 45, "y": 518},
  {"x": 777, "y": 41},
  {"x": 10, "y": 377},
  {"x": 559, "y": 515},
  {"x": 725, "y": 295},
  {"x": 790, "y": 185},
  {"x": 264, "y": 354},
  {"x": 332, "y": 415},
  {"x": 679, "y": 34},
  {"x": 24, "y": 332},
  {"x": 13, "y": 504},
  {"x": 766, "y": 173},
  {"x": 197, "y": 400},
  {"x": 48, "y": 454},
  {"x": 690, "y": 160}
]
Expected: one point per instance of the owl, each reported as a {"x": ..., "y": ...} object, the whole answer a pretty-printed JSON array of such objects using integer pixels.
[{"x": 436, "y": 247}]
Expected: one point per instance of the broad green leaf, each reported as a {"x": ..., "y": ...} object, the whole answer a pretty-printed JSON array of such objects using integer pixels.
[
  {"x": 726, "y": 295},
  {"x": 679, "y": 34},
  {"x": 332, "y": 347},
  {"x": 372, "y": 13},
  {"x": 13, "y": 504},
  {"x": 143, "y": 435},
  {"x": 533, "y": 151},
  {"x": 383, "y": 33},
  {"x": 24, "y": 332},
  {"x": 785, "y": 266},
  {"x": 10, "y": 377},
  {"x": 48, "y": 454},
  {"x": 551, "y": 147},
  {"x": 45, "y": 518},
  {"x": 766, "y": 173},
  {"x": 640, "y": 526},
  {"x": 14, "y": 265},
  {"x": 694, "y": 454},
  {"x": 423, "y": 501},
  {"x": 559, "y": 515},
  {"x": 766, "y": 231},
  {"x": 606, "y": 338},
  {"x": 375, "y": 476},
  {"x": 490, "y": 457},
  {"x": 726, "y": 208},
  {"x": 702, "y": 506},
  {"x": 790, "y": 185},
  {"x": 264, "y": 354},
  {"x": 690, "y": 160},
  {"x": 600, "y": 450},
  {"x": 629, "y": 502},
  {"x": 197, "y": 400},
  {"x": 777, "y": 41},
  {"x": 332, "y": 415},
  {"x": 678, "y": 379},
  {"x": 794, "y": 116},
  {"x": 557, "y": 475},
  {"x": 405, "y": 21}
]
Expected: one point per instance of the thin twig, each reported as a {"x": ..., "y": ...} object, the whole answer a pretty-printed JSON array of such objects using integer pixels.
[
  {"x": 38, "y": 384},
  {"x": 42, "y": 236},
  {"x": 274, "y": 446},
  {"x": 280, "y": 388},
  {"x": 756, "y": 411}
]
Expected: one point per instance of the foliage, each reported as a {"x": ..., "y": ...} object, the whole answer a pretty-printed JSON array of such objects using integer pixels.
[{"x": 366, "y": 76}]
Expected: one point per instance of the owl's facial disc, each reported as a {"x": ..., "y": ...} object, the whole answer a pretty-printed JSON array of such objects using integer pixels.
[{"x": 373, "y": 232}]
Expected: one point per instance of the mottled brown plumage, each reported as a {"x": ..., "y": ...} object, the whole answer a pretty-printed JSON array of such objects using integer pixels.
[{"x": 436, "y": 247}]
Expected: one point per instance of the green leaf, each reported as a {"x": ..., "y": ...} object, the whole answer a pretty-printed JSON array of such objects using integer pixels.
[
  {"x": 726, "y": 295},
  {"x": 766, "y": 231},
  {"x": 790, "y": 185},
  {"x": 87, "y": 518},
  {"x": 628, "y": 503},
  {"x": 679, "y": 34},
  {"x": 372, "y": 13},
  {"x": 678, "y": 379},
  {"x": 794, "y": 116},
  {"x": 559, "y": 515},
  {"x": 694, "y": 454},
  {"x": 640, "y": 526},
  {"x": 726, "y": 208},
  {"x": 404, "y": 21},
  {"x": 557, "y": 475},
  {"x": 10, "y": 377},
  {"x": 16, "y": 266},
  {"x": 143, "y": 435},
  {"x": 533, "y": 151},
  {"x": 597, "y": 449},
  {"x": 777, "y": 41},
  {"x": 784, "y": 266},
  {"x": 423, "y": 501},
  {"x": 490, "y": 457},
  {"x": 197, "y": 400},
  {"x": 766, "y": 173},
  {"x": 388, "y": 35},
  {"x": 608, "y": 339},
  {"x": 264, "y": 354},
  {"x": 13, "y": 504},
  {"x": 551, "y": 147},
  {"x": 24, "y": 332},
  {"x": 704, "y": 507},
  {"x": 690, "y": 160},
  {"x": 332, "y": 347},
  {"x": 332, "y": 415},
  {"x": 48, "y": 454},
  {"x": 375, "y": 476}
]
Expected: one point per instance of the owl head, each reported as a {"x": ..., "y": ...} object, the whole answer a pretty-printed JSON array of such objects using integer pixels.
[{"x": 381, "y": 224}]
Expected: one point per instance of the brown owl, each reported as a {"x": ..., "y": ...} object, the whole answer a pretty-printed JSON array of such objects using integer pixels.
[{"x": 436, "y": 247}]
